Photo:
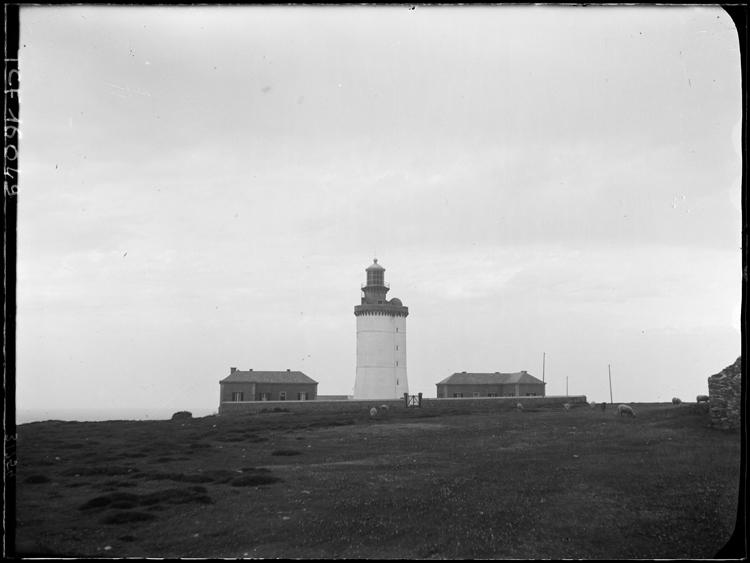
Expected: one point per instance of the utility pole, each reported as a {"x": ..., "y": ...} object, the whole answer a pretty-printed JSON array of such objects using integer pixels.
[{"x": 610, "y": 383}]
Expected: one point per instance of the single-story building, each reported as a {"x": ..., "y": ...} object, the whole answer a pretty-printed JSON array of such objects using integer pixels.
[
  {"x": 267, "y": 386},
  {"x": 496, "y": 384}
]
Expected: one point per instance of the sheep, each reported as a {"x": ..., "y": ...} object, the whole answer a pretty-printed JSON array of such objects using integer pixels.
[
  {"x": 519, "y": 407},
  {"x": 625, "y": 409},
  {"x": 702, "y": 399},
  {"x": 373, "y": 411},
  {"x": 384, "y": 407},
  {"x": 676, "y": 401},
  {"x": 567, "y": 406},
  {"x": 593, "y": 404},
  {"x": 603, "y": 406}
]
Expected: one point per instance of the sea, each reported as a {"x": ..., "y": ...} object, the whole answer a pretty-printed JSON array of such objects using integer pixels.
[{"x": 24, "y": 416}]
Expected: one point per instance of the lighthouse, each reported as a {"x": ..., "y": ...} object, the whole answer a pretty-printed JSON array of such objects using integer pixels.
[{"x": 381, "y": 340}]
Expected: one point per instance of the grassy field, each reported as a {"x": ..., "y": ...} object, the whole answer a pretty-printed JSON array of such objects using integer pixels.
[{"x": 408, "y": 484}]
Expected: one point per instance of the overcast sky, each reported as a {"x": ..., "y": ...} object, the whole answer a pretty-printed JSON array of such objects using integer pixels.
[{"x": 204, "y": 187}]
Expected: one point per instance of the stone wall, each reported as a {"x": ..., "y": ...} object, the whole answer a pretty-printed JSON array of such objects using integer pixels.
[
  {"x": 725, "y": 389},
  {"x": 473, "y": 403}
]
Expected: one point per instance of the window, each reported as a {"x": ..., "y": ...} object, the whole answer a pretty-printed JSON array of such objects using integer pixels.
[
  {"x": 492, "y": 394},
  {"x": 396, "y": 348},
  {"x": 457, "y": 395},
  {"x": 531, "y": 394},
  {"x": 397, "y": 362},
  {"x": 237, "y": 396},
  {"x": 397, "y": 382},
  {"x": 302, "y": 396},
  {"x": 264, "y": 396},
  {"x": 282, "y": 396},
  {"x": 511, "y": 395},
  {"x": 476, "y": 394}
]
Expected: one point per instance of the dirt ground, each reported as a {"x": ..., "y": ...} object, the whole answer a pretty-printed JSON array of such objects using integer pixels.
[{"x": 415, "y": 484}]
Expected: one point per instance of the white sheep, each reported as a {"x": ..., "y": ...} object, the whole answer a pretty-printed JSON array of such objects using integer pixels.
[
  {"x": 676, "y": 401},
  {"x": 519, "y": 406},
  {"x": 384, "y": 407},
  {"x": 593, "y": 404},
  {"x": 625, "y": 409},
  {"x": 567, "y": 406},
  {"x": 373, "y": 411},
  {"x": 702, "y": 399}
]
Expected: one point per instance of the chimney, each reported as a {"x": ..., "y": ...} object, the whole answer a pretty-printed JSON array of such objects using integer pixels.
[
  {"x": 288, "y": 370},
  {"x": 232, "y": 370},
  {"x": 463, "y": 372},
  {"x": 251, "y": 369},
  {"x": 523, "y": 371}
]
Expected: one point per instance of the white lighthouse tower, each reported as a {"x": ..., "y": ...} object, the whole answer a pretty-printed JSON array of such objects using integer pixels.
[{"x": 381, "y": 341}]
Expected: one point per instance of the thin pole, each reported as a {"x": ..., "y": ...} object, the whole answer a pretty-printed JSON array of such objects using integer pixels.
[
  {"x": 566, "y": 385},
  {"x": 610, "y": 383},
  {"x": 544, "y": 357}
]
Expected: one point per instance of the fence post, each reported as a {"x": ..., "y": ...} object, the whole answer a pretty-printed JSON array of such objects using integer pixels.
[
  {"x": 420, "y": 400},
  {"x": 406, "y": 400}
]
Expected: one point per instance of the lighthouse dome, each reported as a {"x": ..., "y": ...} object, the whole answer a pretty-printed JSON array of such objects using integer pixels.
[
  {"x": 375, "y": 266},
  {"x": 396, "y": 301}
]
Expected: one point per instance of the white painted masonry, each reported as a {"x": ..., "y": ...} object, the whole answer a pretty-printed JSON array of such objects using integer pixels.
[{"x": 381, "y": 341}]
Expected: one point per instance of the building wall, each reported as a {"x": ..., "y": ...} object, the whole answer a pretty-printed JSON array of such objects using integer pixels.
[
  {"x": 226, "y": 390},
  {"x": 481, "y": 403},
  {"x": 381, "y": 357},
  {"x": 724, "y": 390},
  {"x": 252, "y": 391},
  {"x": 518, "y": 390}
]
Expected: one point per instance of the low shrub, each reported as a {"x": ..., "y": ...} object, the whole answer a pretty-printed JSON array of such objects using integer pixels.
[
  {"x": 199, "y": 445},
  {"x": 286, "y": 452},
  {"x": 127, "y": 517},
  {"x": 101, "y": 502},
  {"x": 121, "y": 504},
  {"x": 98, "y": 470},
  {"x": 176, "y": 496},
  {"x": 178, "y": 477},
  {"x": 255, "y": 480}
]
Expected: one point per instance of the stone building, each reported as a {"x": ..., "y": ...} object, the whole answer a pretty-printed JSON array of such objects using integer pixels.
[
  {"x": 381, "y": 340},
  {"x": 496, "y": 384},
  {"x": 267, "y": 386},
  {"x": 724, "y": 391}
]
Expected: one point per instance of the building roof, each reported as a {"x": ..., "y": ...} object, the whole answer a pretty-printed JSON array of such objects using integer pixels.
[
  {"x": 252, "y": 376},
  {"x": 490, "y": 379}
]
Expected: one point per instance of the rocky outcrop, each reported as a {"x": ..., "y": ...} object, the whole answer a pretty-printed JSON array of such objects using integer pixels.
[
  {"x": 182, "y": 415},
  {"x": 724, "y": 390}
]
